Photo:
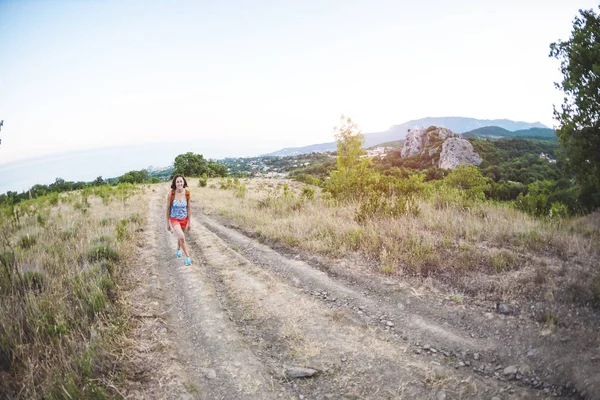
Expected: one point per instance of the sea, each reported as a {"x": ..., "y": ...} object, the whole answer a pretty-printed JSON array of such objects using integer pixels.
[{"x": 112, "y": 162}]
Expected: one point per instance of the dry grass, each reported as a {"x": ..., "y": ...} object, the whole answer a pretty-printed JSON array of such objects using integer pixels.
[
  {"x": 61, "y": 270},
  {"x": 502, "y": 249}
]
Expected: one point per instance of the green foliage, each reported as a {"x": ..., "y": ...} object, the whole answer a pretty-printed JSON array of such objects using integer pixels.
[
  {"x": 376, "y": 205},
  {"x": 558, "y": 210},
  {"x": 203, "y": 181},
  {"x": 216, "y": 169},
  {"x": 226, "y": 184},
  {"x": 503, "y": 260},
  {"x": 132, "y": 177},
  {"x": 579, "y": 116},
  {"x": 352, "y": 182},
  {"x": 121, "y": 230},
  {"x": 469, "y": 180},
  {"x": 102, "y": 252},
  {"x": 349, "y": 143},
  {"x": 190, "y": 164},
  {"x": 308, "y": 193},
  {"x": 308, "y": 179},
  {"x": 240, "y": 191}
]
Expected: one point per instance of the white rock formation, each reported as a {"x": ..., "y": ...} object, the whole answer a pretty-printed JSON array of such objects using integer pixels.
[{"x": 456, "y": 151}]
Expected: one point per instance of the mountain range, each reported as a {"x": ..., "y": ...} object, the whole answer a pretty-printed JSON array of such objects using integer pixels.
[{"x": 455, "y": 124}]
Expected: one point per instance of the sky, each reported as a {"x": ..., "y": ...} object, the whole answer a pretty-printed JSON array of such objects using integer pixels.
[{"x": 255, "y": 76}]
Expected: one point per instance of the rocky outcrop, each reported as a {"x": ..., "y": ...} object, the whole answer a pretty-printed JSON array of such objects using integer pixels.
[
  {"x": 456, "y": 151},
  {"x": 427, "y": 142}
]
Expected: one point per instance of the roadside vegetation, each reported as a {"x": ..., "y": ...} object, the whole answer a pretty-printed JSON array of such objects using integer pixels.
[
  {"x": 447, "y": 229},
  {"x": 63, "y": 260},
  {"x": 429, "y": 230}
]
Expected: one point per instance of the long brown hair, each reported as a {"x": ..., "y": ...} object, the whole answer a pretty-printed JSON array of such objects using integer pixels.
[{"x": 173, "y": 186}]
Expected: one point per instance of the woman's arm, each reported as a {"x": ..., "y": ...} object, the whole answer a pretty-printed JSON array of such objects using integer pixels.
[
  {"x": 168, "y": 211},
  {"x": 189, "y": 211}
]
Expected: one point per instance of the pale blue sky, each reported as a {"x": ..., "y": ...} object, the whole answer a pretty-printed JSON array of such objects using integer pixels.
[{"x": 260, "y": 75}]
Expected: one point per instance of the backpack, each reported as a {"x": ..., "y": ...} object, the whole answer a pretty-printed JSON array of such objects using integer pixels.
[{"x": 187, "y": 195}]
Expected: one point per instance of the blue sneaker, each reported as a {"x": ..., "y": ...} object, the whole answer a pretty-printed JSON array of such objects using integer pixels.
[
  {"x": 178, "y": 253},
  {"x": 188, "y": 261}
]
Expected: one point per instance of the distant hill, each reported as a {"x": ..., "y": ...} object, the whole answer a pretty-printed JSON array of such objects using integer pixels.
[
  {"x": 495, "y": 132},
  {"x": 398, "y": 132}
]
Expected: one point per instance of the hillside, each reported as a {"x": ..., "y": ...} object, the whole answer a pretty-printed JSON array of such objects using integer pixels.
[
  {"x": 398, "y": 132},
  {"x": 496, "y": 132}
]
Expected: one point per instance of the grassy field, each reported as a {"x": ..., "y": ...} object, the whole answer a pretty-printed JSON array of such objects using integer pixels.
[
  {"x": 64, "y": 260},
  {"x": 62, "y": 270},
  {"x": 484, "y": 250}
]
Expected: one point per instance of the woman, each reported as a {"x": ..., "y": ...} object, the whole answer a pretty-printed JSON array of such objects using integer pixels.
[{"x": 179, "y": 214}]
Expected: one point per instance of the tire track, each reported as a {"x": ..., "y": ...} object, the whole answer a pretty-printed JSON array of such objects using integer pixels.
[
  {"x": 217, "y": 362},
  {"x": 300, "y": 274},
  {"x": 285, "y": 325}
]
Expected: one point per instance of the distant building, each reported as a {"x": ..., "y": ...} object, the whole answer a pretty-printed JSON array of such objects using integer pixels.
[{"x": 547, "y": 157}]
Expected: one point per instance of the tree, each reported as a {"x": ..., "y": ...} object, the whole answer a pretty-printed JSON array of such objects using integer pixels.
[
  {"x": 469, "y": 179},
  {"x": 353, "y": 176},
  {"x": 190, "y": 164},
  {"x": 349, "y": 143},
  {"x": 217, "y": 169},
  {"x": 579, "y": 115},
  {"x": 140, "y": 176}
]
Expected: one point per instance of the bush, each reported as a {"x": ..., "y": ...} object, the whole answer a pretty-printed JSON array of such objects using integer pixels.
[
  {"x": 470, "y": 181},
  {"x": 308, "y": 193},
  {"x": 102, "y": 252},
  {"x": 377, "y": 205},
  {"x": 558, "y": 210},
  {"x": 203, "y": 181}
]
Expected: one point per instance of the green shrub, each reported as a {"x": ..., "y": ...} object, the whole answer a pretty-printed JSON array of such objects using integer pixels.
[
  {"x": 377, "y": 205},
  {"x": 102, "y": 252},
  {"x": 52, "y": 198},
  {"x": 240, "y": 191},
  {"x": 558, "y": 210},
  {"x": 503, "y": 261},
  {"x": 203, "y": 181},
  {"x": 308, "y": 193},
  {"x": 122, "y": 231}
]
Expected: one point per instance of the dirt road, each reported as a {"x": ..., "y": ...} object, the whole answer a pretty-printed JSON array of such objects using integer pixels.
[{"x": 244, "y": 319}]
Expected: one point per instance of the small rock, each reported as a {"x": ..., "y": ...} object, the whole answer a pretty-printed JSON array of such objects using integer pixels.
[
  {"x": 510, "y": 370},
  {"x": 441, "y": 395},
  {"x": 210, "y": 374},
  {"x": 461, "y": 364},
  {"x": 389, "y": 323},
  {"x": 502, "y": 308},
  {"x": 297, "y": 372},
  {"x": 476, "y": 356},
  {"x": 426, "y": 347}
]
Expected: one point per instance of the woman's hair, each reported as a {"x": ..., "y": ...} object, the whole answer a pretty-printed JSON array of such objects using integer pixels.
[{"x": 175, "y": 178}]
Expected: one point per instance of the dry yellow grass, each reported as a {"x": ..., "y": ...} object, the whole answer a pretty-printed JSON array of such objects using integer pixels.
[
  {"x": 63, "y": 263},
  {"x": 502, "y": 249}
]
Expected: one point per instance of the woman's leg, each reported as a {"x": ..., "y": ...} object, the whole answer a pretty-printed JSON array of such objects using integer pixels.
[{"x": 181, "y": 239}]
